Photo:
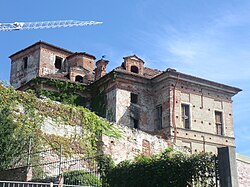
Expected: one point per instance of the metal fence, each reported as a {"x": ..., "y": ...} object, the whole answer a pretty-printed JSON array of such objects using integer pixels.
[
  {"x": 50, "y": 165},
  {"x": 35, "y": 184}
]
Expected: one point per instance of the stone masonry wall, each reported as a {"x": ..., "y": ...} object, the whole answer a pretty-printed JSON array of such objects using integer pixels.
[
  {"x": 47, "y": 60},
  {"x": 17, "y": 174},
  {"x": 133, "y": 143},
  {"x": 243, "y": 169}
]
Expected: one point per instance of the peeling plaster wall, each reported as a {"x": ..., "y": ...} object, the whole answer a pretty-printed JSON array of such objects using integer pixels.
[
  {"x": 122, "y": 107},
  {"x": 143, "y": 110},
  {"x": 133, "y": 143},
  {"x": 19, "y": 76},
  {"x": 111, "y": 105}
]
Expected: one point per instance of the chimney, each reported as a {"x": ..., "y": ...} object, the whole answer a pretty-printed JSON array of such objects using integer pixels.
[{"x": 100, "y": 69}]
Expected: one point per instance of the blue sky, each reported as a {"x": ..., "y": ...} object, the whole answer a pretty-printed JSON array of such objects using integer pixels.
[{"x": 209, "y": 39}]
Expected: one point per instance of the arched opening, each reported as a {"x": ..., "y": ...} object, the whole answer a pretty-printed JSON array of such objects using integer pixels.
[
  {"x": 79, "y": 78},
  {"x": 134, "y": 69}
]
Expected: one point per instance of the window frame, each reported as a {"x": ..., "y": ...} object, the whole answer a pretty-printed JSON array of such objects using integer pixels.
[
  {"x": 221, "y": 123},
  {"x": 183, "y": 125},
  {"x": 159, "y": 117},
  {"x": 134, "y": 98},
  {"x": 61, "y": 62},
  {"x": 134, "y": 69},
  {"x": 25, "y": 62},
  {"x": 79, "y": 80}
]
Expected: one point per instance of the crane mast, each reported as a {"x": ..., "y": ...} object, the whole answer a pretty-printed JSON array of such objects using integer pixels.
[{"x": 44, "y": 24}]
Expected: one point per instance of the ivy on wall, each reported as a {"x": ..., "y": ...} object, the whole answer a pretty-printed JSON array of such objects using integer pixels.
[
  {"x": 167, "y": 169},
  {"x": 23, "y": 115},
  {"x": 65, "y": 92}
]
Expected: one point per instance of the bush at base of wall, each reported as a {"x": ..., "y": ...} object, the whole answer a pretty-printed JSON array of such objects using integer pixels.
[
  {"x": 81, "y": 178},
  {"x": 165, "y": 170}
]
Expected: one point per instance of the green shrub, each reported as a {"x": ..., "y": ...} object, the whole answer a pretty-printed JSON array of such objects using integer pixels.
[
  {"x": 81, "y": 178},
  {"x": 169, "y": 169}
]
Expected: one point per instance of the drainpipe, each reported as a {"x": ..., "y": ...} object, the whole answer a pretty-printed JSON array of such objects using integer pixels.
[{"x": 173, "y": 111}]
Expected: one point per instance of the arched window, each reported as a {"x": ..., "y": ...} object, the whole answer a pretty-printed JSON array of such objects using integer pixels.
[
  {"x": 79, "y": 78},
  {"x": 134, "y": 69}
]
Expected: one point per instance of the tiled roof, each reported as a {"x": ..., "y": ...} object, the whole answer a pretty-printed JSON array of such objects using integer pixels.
[{"x": 148, "y": 72}]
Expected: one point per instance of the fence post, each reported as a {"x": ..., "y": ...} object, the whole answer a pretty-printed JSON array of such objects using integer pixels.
[
  {"x": 60, "y": 163},
  {"x": 29, "y": 151},
  {"x": 227, "y": 167}
]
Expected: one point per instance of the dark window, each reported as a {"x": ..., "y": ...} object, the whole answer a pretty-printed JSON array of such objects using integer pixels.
[
  {"x": 185, "y": 112},
  {"x": 133, "y": 98},
  {"x": 58, "y": 63},
  {"x": 79, "y": 78},
  {"x": 218, "y": 123},
  {"x": 159, "y": 117},
  {"x": 134, "y": 69},
  {"x": 136, "y": 123},
  {"x": 25, "y": 62}
]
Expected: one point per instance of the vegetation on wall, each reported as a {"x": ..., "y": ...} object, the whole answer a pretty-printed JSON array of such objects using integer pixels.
[
  {"x": 98, "y": 104},
  {"x": 65, "y": 92},
  {"x": 164, "y": 170},
  {"x": 22, "y": 116}
]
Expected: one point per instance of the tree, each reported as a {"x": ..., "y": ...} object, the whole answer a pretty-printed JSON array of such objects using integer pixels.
[{"x": 13, "y": 141}]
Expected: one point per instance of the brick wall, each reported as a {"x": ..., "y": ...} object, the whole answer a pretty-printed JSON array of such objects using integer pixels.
[
  {"x": 17, "y": 174},
  {"x": 133, "y": 143}
]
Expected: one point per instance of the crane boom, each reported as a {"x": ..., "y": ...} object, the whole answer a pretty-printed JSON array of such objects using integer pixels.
[{"x": 44, "y": 24}]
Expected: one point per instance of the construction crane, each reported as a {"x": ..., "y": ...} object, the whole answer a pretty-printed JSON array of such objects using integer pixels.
[{"x": 44, "y": 24}]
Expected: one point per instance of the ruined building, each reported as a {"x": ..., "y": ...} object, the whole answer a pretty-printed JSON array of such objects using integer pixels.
[{"x": 186, "y": 110}]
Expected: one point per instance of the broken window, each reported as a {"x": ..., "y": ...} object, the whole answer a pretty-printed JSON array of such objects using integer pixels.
[
  {"x": 58, "y": 62},
  {"x": 218, "y": 123},
  {"x": 25, "y": 62},
  {"x": 159, "y": 117},
  {"x": 79, "y": 78},
  {"x": 133, "y": 98},
  {"x": 185, "y": 112},
  {"x": 134, "y": 69},
  {"x": 135, "y": 123}
]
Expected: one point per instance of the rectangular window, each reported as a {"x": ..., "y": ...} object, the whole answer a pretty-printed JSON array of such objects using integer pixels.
[
  {"x": 185, "y": 112},
  {"x": 58, "y": 62},
  {"x": 133, "y": 98},
  {"x": 25, "y": 62},
  {"x": 159, "y": 117},
  {"x": 218, "y": 123}
]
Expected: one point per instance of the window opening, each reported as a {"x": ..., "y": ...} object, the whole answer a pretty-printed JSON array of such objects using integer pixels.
[
  {"x": 185, "y": 110},
  {"x": 133, "y": 98},
  {"x": 218, "y": 123},
  {"x": 25, "y": 62},
  {"x": 134, "y": 69},
  {"x": 159, "y": 117},
  {"x": 79, "y": 78},
  {"x": 58, "y": 63},
  {"x": 136, "y": 123}
]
